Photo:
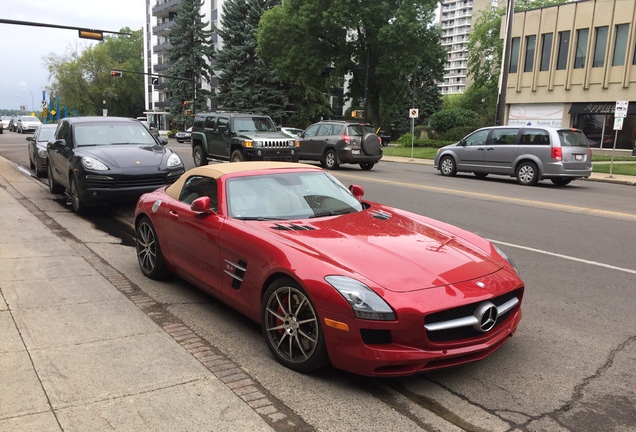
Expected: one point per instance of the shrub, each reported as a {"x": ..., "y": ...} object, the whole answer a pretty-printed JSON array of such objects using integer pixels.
[
  {"x": 445, "y": 120},
  {"x": 456, "y": 133},
  {"x": 405, "y": 141},
  {"x": 172, "y": 133}
]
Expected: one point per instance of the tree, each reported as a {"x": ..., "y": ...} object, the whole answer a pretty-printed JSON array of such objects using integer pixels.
[
  {"x": 82, "y": 80},
  {"x": 376, "y": 45},
  {"x": 246, "y": 83},
  {"x": 190, "y": 57}
]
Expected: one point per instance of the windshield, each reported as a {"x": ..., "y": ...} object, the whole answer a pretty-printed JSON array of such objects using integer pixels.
[
  {"x": 92, "y": 134},
  {"x": 30, "y": 119},
  {"x": 292, "y": 195},
  {"x": 46, "y": 134},
  {"x": 253, "y": 124}
]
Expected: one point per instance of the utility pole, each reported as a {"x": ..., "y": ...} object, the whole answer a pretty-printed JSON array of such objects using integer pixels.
[{"x": 505, "y": 65}]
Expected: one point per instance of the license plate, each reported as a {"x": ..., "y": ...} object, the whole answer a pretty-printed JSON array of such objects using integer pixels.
[
  {"x": 578, "y": 157},
  {"x": 355, "y": 152}
]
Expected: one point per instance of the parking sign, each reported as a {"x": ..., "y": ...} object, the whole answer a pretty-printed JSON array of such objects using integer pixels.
[{"x": 621, "y": 109}]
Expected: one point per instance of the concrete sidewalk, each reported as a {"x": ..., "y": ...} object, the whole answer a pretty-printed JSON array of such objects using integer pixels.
[
  {"x": 76, "y": 354},
  {"x": 600, "y": 177}
]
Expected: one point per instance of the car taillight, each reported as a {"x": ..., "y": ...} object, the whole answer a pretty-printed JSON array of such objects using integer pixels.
[
  {"x": 557, "y": 153},
  {"x": 347, "y": 139}
]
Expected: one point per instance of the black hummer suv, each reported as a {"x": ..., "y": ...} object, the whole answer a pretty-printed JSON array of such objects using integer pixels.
[{"x": 239, "y": 136}]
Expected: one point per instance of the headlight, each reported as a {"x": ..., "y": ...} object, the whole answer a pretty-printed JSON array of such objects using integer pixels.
[
  {"x": 365, "y": 302},
  {"x": 93, "y": 164},
  {"x": 42, "y": 153},
  {"x": 506, "y": 257},
  {"x": 174, "y": 160}
]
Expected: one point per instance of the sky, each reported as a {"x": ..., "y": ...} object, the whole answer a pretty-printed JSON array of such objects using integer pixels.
[{"x": 23, "y": 49}]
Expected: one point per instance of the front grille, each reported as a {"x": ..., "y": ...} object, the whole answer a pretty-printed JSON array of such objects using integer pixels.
[
  {"x": 275, "y": 143},
  {"x": 376, "y": 337},
  {"x": 131, "y": 182},
  {"x": 466, "y": 332}
]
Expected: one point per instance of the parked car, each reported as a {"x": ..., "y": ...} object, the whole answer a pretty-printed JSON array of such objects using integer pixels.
[
  {"x": 1, "y": 127},
  {"x": 5, "y": 122},
  {"x": 291, "y": 132},
  {"x": 530, "y": 153},
  {"x": 331, "y": 277},
  {"x": 13, "y": 124},
  {"x": 102, "y": 159},
  {"x": 385, "y": 137},
  {"x": 28, "y": 124},
  {"x": 335, "y": 142},
  {"x": 239, "y": 136},
  {"x": 184, "y": 136},
  {"x": 36, "y": 148}
]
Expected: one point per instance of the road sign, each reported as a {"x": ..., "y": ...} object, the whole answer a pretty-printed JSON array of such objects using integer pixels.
[
  {"x": 53, "y": 112},
  {"x": 414, "y": 113},
  {"x": 618, "y": 123},
  {"x": 43, "y": 103},
  {"x": 155, "y": 81},
  {"x": 621, "y": 109}
]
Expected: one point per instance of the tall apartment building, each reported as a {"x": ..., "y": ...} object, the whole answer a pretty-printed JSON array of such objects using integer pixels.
[
  {"x": 160, "y": 15},
  {"x": 456, "y": 19}
]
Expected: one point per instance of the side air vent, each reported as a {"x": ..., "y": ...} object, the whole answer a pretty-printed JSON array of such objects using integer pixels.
[
  {"x": 292, "y": 227},
  {"x": 378, "y": 214}
]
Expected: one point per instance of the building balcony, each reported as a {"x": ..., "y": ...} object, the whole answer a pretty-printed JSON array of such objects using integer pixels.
[
  {"x": 164, "y": 104},
  {"x": 162, "y": 29},
  {"x": 160, "y": 67},
  {"x": 163, "y": 9},
  {"x": 159, "y": 48}
]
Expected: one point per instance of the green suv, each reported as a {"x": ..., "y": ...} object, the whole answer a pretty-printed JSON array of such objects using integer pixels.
[{"x": 239, "y": 136}]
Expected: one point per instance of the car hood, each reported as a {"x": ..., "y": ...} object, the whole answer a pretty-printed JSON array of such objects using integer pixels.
[
  {"x": 264, "y": 136},
  {"x": 398, "y": 252},
  {"x": 126, "y": 156}
]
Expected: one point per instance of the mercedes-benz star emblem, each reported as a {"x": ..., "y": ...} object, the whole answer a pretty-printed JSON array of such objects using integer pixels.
[{"x": 486, "y": 314}]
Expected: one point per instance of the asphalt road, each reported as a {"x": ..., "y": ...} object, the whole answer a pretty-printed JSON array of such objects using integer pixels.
[{"x": 571, "y": 366}]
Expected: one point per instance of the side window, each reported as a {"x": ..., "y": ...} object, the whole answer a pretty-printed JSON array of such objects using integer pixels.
[
  {"x": 477, "y": 138},
  {"x": 312, "y": 131},
  {"x": 62, "y": 132},
  {"x": 197, "y": 187},
  {"x": 504, "y": 136},
  {"x": 535, "y": 137},
  {"x": 223, "y": 121},
  {"x": 324, "y": 129},
  {"x": 209, "y": 122}
]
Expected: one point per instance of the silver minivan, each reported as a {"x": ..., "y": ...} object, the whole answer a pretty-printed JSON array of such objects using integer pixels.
[{"x": 530, "y": 153}]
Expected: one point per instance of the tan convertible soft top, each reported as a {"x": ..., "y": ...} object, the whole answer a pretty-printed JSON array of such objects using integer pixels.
[{"x": 220, "y": 169}]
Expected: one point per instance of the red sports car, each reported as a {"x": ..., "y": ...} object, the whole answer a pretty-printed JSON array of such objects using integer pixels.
[{"x": 331, "y": 277}]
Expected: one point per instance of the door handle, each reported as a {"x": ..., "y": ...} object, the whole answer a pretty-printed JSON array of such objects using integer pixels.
[{"x": 173, "y": 214}]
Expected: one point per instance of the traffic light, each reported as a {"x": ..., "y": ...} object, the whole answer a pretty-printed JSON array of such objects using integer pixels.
[
  {"x": 91, "y": 34},
  {"x": 184, "y": 102},
  {"x": 115, "y": 73},
  {"x": 357, "y": 113}
]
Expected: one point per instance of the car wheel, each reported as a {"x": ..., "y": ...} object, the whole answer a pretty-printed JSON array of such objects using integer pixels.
[
  {"x": 76, "y": 200},
  {"x": 447, "y": 166},
  {"x": 292, "y": 328},
  {"x": 481, "y": 175},
  {"x": 527, "y": 173},
  {"x": 561, "y": 181},
  {"x": 149, "y": 253},
  {"x": 54, "y": 187},
  {"x": 237, "y": 156},
  {"x": 367, "y": 166},
  {"x": 31, "y": 164},
  {"x": 330, "y": 160},
  {"x": 199, "y": 156},
  {"x": 371, "y": 144}
]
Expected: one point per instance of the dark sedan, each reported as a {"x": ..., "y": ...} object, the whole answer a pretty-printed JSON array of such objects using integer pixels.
[
  {"x": 37, "y": 148},
  {"x": 103, "y": 159}
]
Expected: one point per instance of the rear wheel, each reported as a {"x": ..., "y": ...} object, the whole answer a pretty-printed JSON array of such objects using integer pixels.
[
  {"x": 54, "y": 187},
  {"x": 561, "y": 181},
  {"x": 527, "y": 173},
  {"x": 149, "y": 253},
  {"x": 292, "y": 328},
  {"x": 447, "y": 166},
  {"x": 366, "y": 165},
  {"x": 481, "y": 175},
  {"x": 330, "y": 160},
  {"x": 199, "y": 157},
  {"x": 237, "y": 156}
]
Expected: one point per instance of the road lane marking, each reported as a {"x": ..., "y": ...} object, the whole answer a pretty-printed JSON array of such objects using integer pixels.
[
  {"x": 567, "y": 257},
  {"x": 490, "y": 197}
]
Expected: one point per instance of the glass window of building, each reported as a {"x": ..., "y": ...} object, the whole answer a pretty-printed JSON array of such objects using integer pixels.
[
  {"x": 514, "y": 55},
  {"x": 546, "y": 50},
  {"x": 564, "y": 48},
  {"x": 600, "y": 45},
  {"x": 581, "y": 48},
  {"x": 620, "y": 44},
  {"x": 529, "y": 58}
]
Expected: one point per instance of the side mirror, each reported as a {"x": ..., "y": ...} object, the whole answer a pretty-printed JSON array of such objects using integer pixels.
[
  {"x": 462, "y": 142},
  {"x": 30, "y": 138},
  {"x": 202, "y": 205},
  {"x": 222, "y": 128},
  {"x": 357, "y": 191},
  {"x": 163, "y": 141}
]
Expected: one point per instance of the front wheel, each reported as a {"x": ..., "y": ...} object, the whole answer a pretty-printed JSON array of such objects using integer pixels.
[
  {"x": 149, "y": 253},
  {"x": 237, "y": 156},
  {"x": 527, "y": 174},
  {"x": 330, "y": 161},
  {"x": 76, "y": 200},
  {"x": 199, "y": 157},
  {"x": 447, "y": 166},
  {"x": 292, "y": 328},
  {"x": 558, "y": 181}
]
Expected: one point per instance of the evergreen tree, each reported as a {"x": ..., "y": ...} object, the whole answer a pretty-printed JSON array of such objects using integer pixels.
[
  {"x": 246, "y": 83},
  {"x": 190, "y": 57}
]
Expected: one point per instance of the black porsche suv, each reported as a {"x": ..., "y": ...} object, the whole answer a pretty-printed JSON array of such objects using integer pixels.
[{"x": 239, "y": 136}]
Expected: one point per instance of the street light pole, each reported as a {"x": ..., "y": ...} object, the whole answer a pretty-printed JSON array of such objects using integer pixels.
[{"x": 32, "y": 104}]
